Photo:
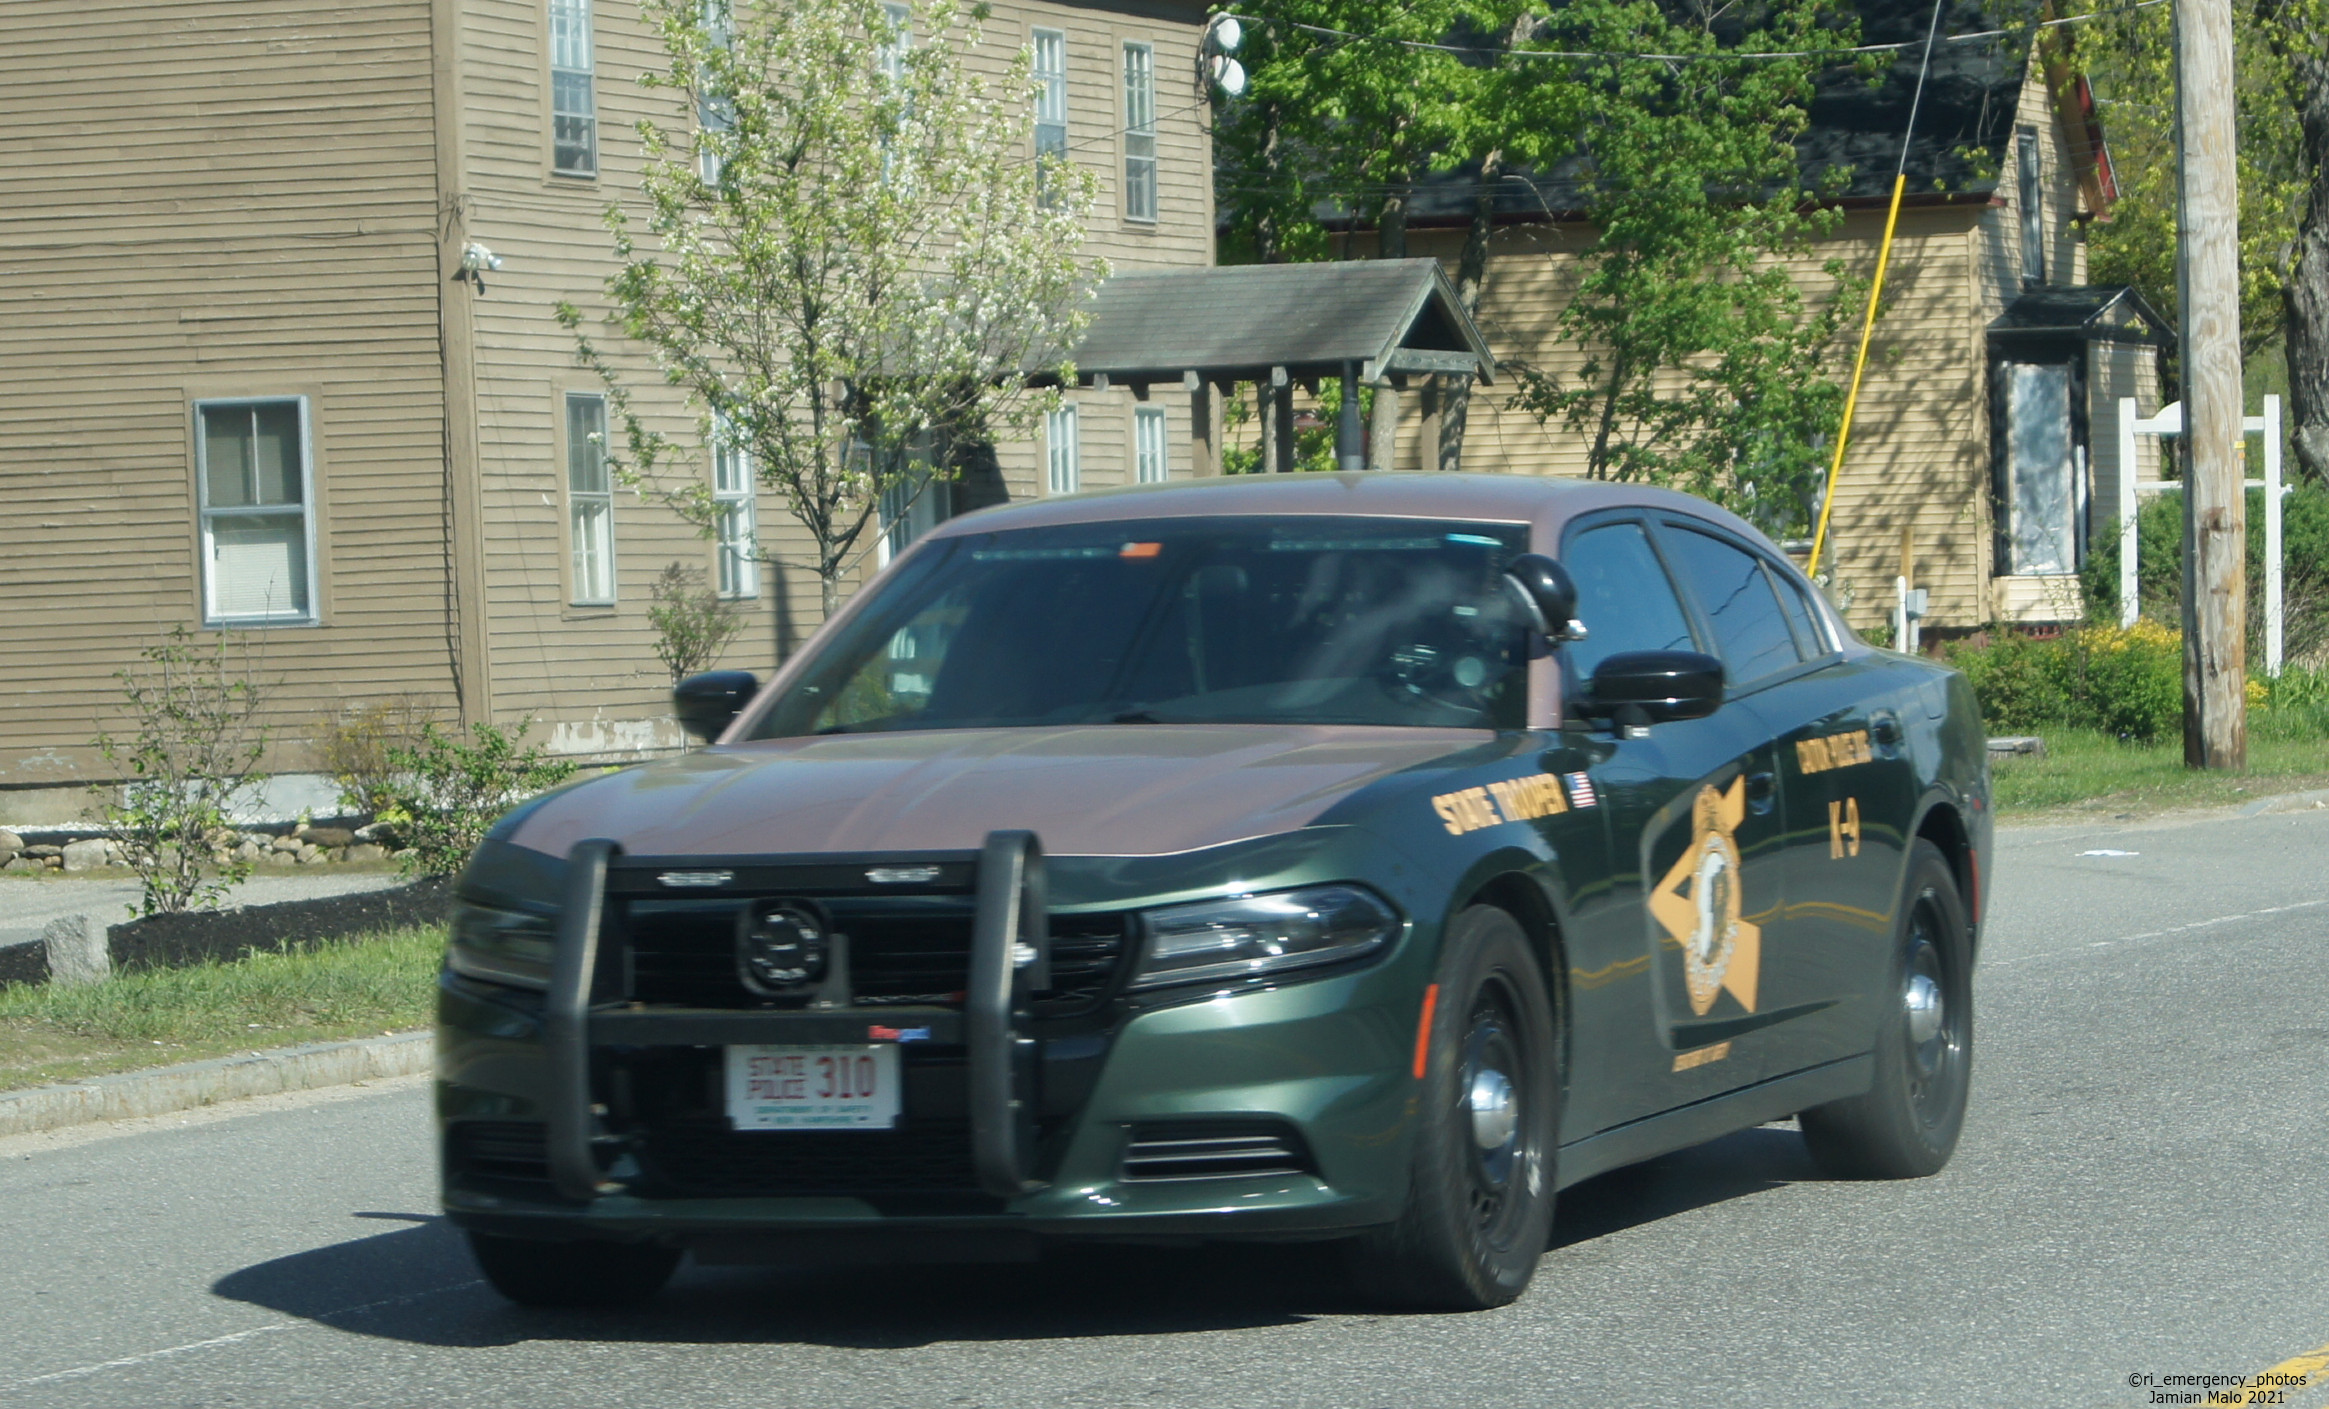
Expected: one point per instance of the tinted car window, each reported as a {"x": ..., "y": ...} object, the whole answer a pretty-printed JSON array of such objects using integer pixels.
[
  {"x": 1801, "y": 616},
  {"x": 1623, "y": 597},
  {"x": 1749, "y": 629},
  {"x": 1181, "y": 621}
]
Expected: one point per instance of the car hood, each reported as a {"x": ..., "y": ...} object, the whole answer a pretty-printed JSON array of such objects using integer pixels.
[{"x": 1109, "y": 790}]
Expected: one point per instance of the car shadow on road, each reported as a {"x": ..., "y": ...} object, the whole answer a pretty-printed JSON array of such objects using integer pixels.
[
  {"x": 418, "y": 1284},
  {"x": 1748, "y": 1162}
]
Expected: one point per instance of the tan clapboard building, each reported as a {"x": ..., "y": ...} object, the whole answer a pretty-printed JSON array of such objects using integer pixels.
[
  {"x": 242, "y": 388},
  {"x": 1984, "y": 444}
]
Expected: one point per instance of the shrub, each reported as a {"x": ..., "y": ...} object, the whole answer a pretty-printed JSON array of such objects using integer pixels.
[
  {"x": 693, "y": 623},
  {"x": 446, "y": 791},
  {"x": 2127, "y": 682},
  {"x": 195, "y": 743},
  {"x": 2159, "y": 569},
  {"x": 354, "y": 748}
]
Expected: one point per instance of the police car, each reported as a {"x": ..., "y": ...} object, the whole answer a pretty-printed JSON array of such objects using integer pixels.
[{"x": 1361, "y": 857}]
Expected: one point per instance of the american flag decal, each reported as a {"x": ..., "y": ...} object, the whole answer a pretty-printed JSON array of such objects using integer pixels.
[{"x": 1580, "y": 790}]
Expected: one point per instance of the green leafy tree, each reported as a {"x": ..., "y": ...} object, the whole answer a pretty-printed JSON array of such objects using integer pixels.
[
  {"x": 1705, "y": 367},
  {"x": 193, "y": 748},
  {"x": 2281, "y": 99},
  {"x": 846, "y": 262}
]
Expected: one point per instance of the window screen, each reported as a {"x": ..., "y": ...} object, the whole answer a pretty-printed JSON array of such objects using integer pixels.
[
  {"x": 573, "y": 107},
  {"x": 253, "y": 465},
  {"x": 1139, "y": 132},
  {"x": 590, "y": 502},
  {"x": 1732, "y": 589}
]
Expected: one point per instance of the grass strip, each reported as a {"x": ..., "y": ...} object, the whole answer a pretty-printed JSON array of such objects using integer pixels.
[
  {"x": 2088, "y": 774},
  {"x": 328, "y": 991}
]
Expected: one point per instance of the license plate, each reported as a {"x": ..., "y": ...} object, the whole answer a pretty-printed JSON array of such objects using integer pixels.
[{"x": 813, "y": 1088}]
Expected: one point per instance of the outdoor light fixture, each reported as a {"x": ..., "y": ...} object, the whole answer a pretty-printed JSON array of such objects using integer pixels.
[
  {"x": 476, "y": 259},
  {"x": 1222, "y": 36}
]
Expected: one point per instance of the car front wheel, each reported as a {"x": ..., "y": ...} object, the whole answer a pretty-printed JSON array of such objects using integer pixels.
[
  {"x": 1907, "y": 1125},
  {"x": 1480, "y": 1197}
]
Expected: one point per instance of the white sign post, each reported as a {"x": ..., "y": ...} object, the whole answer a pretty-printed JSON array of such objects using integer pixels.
[{"x": 2167, "y": 425}]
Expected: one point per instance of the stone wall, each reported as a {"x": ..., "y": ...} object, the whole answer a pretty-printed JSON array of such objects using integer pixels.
[{"x": 301, "y": 845}]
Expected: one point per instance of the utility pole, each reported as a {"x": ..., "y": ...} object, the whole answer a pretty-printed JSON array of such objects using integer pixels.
[{"x": 2215, "y": 565}]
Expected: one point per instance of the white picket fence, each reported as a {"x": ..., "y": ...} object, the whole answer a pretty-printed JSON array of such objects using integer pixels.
[{"x": 2167, "y": 425}]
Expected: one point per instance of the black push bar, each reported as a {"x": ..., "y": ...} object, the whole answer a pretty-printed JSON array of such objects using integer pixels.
[{"x": 1010, "y": 960}]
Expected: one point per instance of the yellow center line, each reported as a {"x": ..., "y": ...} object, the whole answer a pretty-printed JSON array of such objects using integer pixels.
[{"x": 2283, "y": 1376}]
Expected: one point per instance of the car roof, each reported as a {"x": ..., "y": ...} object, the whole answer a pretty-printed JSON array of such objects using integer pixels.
[{"x": 1543, "y": 501}]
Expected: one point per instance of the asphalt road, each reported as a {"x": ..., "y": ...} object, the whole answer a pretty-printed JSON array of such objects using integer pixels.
[{"x": 2140, "y": 1191}]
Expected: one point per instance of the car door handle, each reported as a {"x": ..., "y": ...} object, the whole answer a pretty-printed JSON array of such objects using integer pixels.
[{"x": 1762, "y": 791}]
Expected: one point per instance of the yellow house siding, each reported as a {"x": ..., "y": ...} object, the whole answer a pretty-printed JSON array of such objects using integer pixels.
[{"x": 223, "y": 199}]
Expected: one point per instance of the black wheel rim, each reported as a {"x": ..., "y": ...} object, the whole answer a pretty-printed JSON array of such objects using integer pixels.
[
  {"x": 1494, "y": 1124},
  {"x": 1935, "y": 1016}
]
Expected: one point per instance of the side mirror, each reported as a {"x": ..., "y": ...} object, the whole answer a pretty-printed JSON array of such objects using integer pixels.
[
  {"x": 1655, "y": 686},
  {"x": 707, "y": 703},
  {"x": 1547, "y": 596}
]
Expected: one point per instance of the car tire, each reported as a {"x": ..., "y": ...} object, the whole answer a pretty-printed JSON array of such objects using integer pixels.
[
  {"x": 1479, "y": 1206},
  {"x": 586, "y": 1272},
  {"x": 1906, "y": 1126}
]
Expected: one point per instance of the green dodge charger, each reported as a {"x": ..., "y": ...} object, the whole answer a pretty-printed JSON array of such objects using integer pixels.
[{"x": 1361, "y": 857}]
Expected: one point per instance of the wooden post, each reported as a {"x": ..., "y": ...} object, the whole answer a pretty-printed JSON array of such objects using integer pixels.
[
  {"x": 2215, "y": 597},
  {"x": 1204, "y": 429}
]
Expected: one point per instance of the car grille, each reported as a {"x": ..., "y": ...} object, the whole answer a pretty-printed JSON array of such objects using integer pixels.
[
  {"x": 1229, "y": 1149},
  {"x": 501, "y": 1150},
  {"x": 706, "y": 1159},
  {"x": 684, "y": 953}
]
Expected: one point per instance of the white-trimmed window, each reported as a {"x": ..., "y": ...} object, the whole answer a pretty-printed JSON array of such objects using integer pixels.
[
  {"x": 899, "y": 41},
  {"x": 1150, "y": 464},
  {"x": 1064, "y": 451},
  {"x": 715, "y": 112},
  {"x": 254, "y": 493},
  {"x": 912, "y": 505},
  {"x": 590, "y": 503},
  {"x": 2031, "y": 188},
  {"x": 573, "y": 106},
  {"x": 732, "y": 499},
  {"x": 1139, "y": 132},
  {"x": 1050, "y": 73}
]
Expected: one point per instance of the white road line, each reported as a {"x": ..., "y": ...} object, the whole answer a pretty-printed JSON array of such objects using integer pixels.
[
  {"x": 2159, "y": 934},
  {"x": 147, "y": 1357}
]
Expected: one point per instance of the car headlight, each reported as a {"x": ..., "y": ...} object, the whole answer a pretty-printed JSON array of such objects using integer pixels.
[
  {"x": 502, "y": 946},
  {"x": 1250, "y": 936}
]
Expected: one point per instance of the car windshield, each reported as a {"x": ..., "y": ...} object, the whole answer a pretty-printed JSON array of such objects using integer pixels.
[{"x": 1181, "y": 621}]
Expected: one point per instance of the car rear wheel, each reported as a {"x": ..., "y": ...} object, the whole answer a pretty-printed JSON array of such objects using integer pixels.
[
  {"x": 1907, "y": 1125},
  {"x": 1480, "y": 1197},
  {"x": 587, "y": 1272}
]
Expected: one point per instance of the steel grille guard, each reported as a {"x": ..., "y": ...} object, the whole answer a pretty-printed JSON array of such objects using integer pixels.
[{"x": 1010, "y": 960}]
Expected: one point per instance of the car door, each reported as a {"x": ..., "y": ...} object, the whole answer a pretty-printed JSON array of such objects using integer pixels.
[
  {"x": 1849, "y": 783},
  {"x": 1816, "y": 952},
  {"x": 1694, "y": 836}
]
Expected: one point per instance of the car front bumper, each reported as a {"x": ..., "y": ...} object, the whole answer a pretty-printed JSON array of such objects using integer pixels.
[{"x": 1320, "y": 1067}]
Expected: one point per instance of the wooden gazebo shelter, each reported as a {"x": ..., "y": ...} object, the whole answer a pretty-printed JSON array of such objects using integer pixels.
[{"x": 1279, "y": 326}]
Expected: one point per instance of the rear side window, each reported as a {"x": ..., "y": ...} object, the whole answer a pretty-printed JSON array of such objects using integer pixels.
[
  {"x": 1802, "y": 616},
  {"x": 1750, "y": 630},
  {"x": 1623, "y": 597}
]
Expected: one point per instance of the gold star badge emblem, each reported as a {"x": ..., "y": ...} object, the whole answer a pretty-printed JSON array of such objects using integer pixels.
[{"x": 1698, "y": 903}]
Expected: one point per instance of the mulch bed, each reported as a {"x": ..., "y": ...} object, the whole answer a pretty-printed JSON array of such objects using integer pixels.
[{"x": 179, "y": 941}]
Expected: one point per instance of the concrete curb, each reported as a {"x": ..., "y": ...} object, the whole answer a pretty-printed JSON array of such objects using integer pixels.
[{"x": 180, "y": 1088}]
